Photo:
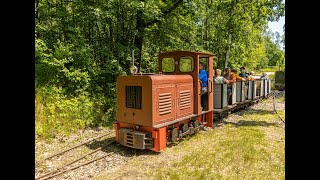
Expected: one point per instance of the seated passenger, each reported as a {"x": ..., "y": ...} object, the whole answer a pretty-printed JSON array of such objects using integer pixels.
[
  {"x": 238, "y": 78},
  {"x": 203, "y": 76},
  {"x": 231, "y": 77},
  {"x": 218, "y": 79},
  {"x": 243, "y": 72},
  {"x": 264, "y": 76},
  {"x": 250, "y": 78}
]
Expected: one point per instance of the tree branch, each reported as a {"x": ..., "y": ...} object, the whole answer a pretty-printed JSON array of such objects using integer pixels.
[{"x": 164, "y": 13}]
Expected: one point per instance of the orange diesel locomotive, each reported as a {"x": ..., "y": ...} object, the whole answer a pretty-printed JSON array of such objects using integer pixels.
[{"x": 154, "y": 110}]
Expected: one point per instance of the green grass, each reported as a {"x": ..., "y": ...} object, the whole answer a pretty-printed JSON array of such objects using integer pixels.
[
  {"x": 248, "y": 145},
  {"x": 270, "y": 69},
  {"x": 231, "y": 157},
  {"x": 232, "y": 153}
]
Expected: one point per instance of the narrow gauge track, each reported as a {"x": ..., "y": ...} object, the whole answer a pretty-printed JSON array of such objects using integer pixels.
[
  {"x": 84, "y": 143},
  {"x": 67, "y": 167}
]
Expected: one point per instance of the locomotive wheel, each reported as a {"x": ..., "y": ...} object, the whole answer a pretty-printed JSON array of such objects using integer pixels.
[
  {"x": 174, "y": 135},
  {"x": 184, "y": 127},
  {"x": 195, "y": 123}
]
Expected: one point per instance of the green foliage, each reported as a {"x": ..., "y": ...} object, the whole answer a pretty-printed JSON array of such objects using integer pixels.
[
  {"x": 167, "y": 64},
  {"x": 57, "y": 113},
  {"x": 269, "y": 69},
  {"x": 81, "y": 47},
  {"x": 55, "y": 67},
  {"x": 186, "y": 64}
]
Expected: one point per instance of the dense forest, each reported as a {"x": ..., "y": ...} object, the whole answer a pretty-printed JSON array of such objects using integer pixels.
[{"x": 82, "y": 46}]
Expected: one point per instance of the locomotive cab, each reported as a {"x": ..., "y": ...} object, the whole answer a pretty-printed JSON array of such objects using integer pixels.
[{"x": 186, "y": 62}]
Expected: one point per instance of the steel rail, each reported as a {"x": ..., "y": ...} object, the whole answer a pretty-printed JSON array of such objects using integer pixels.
[
  {"x": 74, "y": 161},
  {"x": 274, "y": 108},
  {"x": 61, "y": 172},
  {"x": 86, "y": 142}
]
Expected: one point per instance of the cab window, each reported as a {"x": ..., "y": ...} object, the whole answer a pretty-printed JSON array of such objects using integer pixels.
[
  {"x": 186, "y": 64},
  {"x": 167, "y": 65}
]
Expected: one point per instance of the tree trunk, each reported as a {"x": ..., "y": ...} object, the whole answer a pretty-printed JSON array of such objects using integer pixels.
[
  {"x": 228, "y": 52},
  {"x": 138, "y": 40},
  {"x": 37, "y": 11},
  {"x": 141, "y": 25}
]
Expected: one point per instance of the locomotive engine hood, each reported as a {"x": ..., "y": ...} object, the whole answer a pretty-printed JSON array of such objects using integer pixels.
[{"x": 152, "y": 100}]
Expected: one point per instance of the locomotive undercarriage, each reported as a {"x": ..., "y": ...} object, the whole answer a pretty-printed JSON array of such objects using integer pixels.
[
  {"x": 143, "y": 140},
  {"x": 174, "y": 133}
]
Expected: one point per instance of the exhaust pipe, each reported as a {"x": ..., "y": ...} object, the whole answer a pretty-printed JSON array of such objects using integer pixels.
[{"x": 133, "y": 68}]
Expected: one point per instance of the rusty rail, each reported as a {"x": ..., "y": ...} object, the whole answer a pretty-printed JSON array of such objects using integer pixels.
[
  {"x": 74, "y": 161},
  {"x": 274, "y": 108},
  {"x": 83, "y": 164},
  {"x": 86, "y": 142}
]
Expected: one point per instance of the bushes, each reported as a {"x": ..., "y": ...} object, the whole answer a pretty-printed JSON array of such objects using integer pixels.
[
  {"x": 72, "y": 91},
  {"x": 57, "y": 113}
]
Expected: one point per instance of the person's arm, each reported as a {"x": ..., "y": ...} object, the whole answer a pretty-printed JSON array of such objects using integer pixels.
[
  {"x": 232, "y": 78},
  {"x": 238, "y": 78},
  {"x": 225, "y": 80}
]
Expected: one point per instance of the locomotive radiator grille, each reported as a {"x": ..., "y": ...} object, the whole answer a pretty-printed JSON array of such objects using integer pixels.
[
  {"x": 185, "y": 99},
  {"x": 165, "y": 103},
  {"x": 135, "y": 139},
  {"x": 133, "y": 97}
]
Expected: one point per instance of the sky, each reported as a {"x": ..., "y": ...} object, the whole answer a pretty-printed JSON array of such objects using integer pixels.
[{"x": 277, "y": 26}]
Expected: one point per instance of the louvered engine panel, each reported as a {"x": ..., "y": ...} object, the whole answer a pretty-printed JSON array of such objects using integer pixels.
[
  {"x": 165, "y": 103},
  {"x": 165, "y": 106},
  {"x": 185, "y": 99}
]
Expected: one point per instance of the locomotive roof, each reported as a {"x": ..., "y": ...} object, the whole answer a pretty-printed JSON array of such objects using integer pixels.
[{"x": 202, "y": 54}]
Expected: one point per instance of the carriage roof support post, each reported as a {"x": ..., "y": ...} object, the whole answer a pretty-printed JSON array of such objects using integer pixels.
[{"x": 210, "y": 92}]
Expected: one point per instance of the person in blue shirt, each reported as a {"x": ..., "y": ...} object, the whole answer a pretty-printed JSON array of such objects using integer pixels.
[
  {"x": 243, "y": 73},
  {"x": 203, "y": 76}
]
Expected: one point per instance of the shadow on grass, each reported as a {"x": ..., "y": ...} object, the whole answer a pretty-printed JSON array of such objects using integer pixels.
[
  {"x": 185, "y": 138},
  {"x": 109, "y": 145},
  {"x": 250, "y": 111},
  {"x": 252, "y": 123},
  {"x": 127, "y": 151}
]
